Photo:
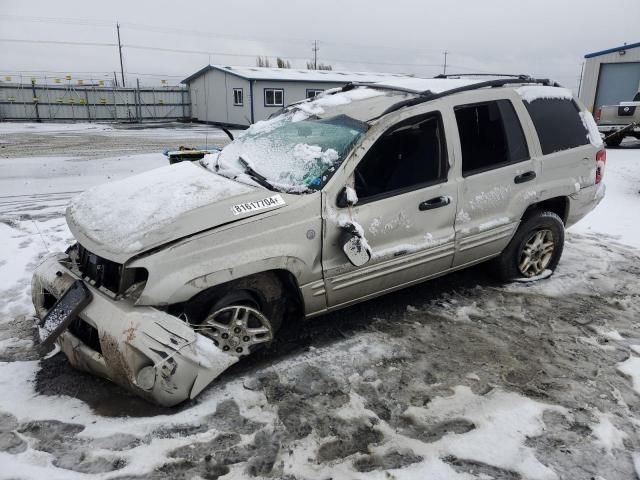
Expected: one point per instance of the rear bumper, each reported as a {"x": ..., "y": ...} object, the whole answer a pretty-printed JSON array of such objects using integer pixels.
[
  {"x": 583, "y": 201},
  {"x": 177, "y": 362}
]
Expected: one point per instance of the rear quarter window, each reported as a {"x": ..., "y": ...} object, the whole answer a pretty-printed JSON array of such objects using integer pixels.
[{"x": 557, "y": 123}]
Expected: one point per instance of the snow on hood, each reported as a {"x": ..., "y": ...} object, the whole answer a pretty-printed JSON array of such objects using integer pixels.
[{"x": 141, "y": 211}]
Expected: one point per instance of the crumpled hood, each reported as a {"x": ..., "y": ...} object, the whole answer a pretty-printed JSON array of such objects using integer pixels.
[{"x": 120, "y": 219}]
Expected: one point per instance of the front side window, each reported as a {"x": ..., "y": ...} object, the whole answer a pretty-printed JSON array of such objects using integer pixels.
[
  {"x": 558, "y": 124},
  {"x": 410, "y": 155},
  {"x": 294, "y": 153},
  {"x": 238, "y": 96},
  {"x": 273, "y": 97},
  {"x": 313, "y": 93},
  {"x": 490, "y": 136}
]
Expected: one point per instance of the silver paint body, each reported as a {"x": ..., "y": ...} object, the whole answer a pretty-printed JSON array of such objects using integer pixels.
[{"x": 302, "y": 237}]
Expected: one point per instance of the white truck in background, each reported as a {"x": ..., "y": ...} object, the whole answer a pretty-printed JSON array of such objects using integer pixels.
[{"x": 616, "y": 122}]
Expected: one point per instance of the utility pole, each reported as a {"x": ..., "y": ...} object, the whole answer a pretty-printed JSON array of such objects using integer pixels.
[
  {"x": 445, "y": 62},
  {"x": 580, "y": 82},
  {"x": 315, "y": 54},
  {"x": 120, "y": 51}
]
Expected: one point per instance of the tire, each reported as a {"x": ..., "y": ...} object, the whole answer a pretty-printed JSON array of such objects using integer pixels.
[
  {"x": 613, "y": 142},
  {"x": 238, "y": 323},
  {"x": 533, "y": 235}
]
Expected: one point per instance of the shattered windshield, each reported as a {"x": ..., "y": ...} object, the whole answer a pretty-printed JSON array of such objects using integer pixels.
[{"x": 292, "y": 153}]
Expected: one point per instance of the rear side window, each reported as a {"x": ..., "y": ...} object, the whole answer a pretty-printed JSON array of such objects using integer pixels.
[
  {"x": 558, "y": 124},
  {"x": 490, "y": 136}
]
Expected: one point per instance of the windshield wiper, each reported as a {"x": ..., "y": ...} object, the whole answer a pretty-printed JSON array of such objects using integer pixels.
[{"x": 255, "y": 176}]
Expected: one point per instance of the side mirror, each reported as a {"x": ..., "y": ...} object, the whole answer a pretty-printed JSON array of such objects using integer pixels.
[
  {"x": 355, "y": 247},
  {"x": 343, "y": 199}
]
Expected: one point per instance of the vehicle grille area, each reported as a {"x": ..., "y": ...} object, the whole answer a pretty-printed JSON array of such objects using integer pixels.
[
  {"x": 86, "y": 333},
  {"x": 99, "y": 271}
]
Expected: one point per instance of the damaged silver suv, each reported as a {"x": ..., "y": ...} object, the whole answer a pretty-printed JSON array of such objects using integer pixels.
[{"x": 179, "y": 272}]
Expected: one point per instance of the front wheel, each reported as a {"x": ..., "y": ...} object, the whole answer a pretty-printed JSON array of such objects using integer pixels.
[
  {"x": 237, "y": 325},
  {"x": 535, "y": 248}
]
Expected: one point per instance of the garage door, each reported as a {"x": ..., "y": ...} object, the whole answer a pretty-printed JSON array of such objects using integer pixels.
[{"x": 618, "y": 82}]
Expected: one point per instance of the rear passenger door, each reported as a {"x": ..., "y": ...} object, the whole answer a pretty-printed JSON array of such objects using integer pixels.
[{"x": 498, "y": 177}]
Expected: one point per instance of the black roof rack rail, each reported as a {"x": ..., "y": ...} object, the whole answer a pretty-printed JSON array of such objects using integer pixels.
[
  {"x": 428, "y": 95},
  {"x": 451, "y": 75},
  {"x": 379, "y": 86}
]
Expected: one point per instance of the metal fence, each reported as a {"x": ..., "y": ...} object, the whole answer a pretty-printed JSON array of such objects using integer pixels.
[{"x": 37, "y": 102}]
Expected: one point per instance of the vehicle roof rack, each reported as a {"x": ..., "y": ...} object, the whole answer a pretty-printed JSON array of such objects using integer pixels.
[
  {"x": 483, "y": 74},
  {"x": 381, "y": 86},
  {"x": 428, "y": 95}
]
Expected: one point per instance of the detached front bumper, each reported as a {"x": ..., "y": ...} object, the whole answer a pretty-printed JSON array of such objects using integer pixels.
[{"x": 145, "y": 350}]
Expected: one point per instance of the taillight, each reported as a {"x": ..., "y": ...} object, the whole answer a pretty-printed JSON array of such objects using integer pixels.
[
  {"x": 601, "y": 161},
  {"x": 598, "y": 114}
]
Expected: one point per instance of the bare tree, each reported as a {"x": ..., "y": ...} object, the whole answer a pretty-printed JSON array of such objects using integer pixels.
[
  {"x": 263, "y": 62},
  {"x": 282, "y": 63},
  {"x": 321, "y": 66}
]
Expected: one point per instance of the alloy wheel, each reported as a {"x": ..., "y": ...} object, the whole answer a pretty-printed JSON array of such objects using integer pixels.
[
  {"x": 536, "y": 253},
  {"x": 237, "y": 328}
]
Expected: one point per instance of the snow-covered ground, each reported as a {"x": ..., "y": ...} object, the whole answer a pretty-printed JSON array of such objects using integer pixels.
[
  {"x": 461, "y": 378},
  {"x": 617, "y": 215}
]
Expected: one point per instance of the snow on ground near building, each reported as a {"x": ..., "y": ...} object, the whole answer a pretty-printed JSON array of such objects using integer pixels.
[{"x": 461, "y": 378}]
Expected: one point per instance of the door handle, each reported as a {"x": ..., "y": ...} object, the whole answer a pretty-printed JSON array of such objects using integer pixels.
[
  {"x": 434, "y": 203},
  {"x": 525, "y": 177}
]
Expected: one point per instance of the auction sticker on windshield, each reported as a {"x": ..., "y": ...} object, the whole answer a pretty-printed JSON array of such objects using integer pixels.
[{"x": 247, "y": 207}]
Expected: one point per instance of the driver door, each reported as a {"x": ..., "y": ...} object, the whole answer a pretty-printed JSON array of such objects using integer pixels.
[{"x": 406, "y": 208}]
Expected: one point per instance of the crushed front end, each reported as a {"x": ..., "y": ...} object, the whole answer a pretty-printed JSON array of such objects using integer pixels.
[{"x": 144, "y": 349}]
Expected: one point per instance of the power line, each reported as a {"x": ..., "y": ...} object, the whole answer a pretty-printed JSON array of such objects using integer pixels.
[
  {"x": 205, "y": 52},
  {"x": 253, "y": 55},
  {"x": 190, "y": 32},
  {"x": 59, "y": 42}
]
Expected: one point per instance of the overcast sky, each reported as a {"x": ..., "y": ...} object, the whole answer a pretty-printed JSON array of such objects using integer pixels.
[{"x": 545, "y": 38}]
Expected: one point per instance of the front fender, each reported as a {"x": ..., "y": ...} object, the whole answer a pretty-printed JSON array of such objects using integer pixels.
[{"x": 182, "y": 270}]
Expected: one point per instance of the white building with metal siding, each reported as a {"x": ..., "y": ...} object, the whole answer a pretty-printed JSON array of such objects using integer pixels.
[
  {"x": 610, "y": 76},
  {"x": 240, "y": 96}
]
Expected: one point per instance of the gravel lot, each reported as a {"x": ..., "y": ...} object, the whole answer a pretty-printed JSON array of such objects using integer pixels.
[{"x": 458, "y": 378}]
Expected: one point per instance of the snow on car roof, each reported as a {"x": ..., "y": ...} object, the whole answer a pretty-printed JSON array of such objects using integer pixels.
[
  {"x": 370, "y": 99},
  {"x": 364, "y": 103}
]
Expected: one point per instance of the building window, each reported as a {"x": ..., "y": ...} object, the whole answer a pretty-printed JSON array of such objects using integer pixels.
[
  {"x": 238, "y": 96},
  {"x": 273, "y": 97},
  {"x": 313, "y": 93}
]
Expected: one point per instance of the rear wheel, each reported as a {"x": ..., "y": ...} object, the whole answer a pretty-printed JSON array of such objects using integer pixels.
[
  {"x": 535, "y": 248},
  {"x": 237, "y": 324}
]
